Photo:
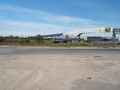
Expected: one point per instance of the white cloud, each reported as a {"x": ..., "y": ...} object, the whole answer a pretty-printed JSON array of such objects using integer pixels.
[
  {"x": 31, "y": 24},
  {"x": 46, "y": 22},
  {"x": 33, "y": 28},
  {"x": 18, "y": 9},
  {"x": 30, "y": 28},
  {"x": 67, "y": 19},
  {"x": 44, "y": 15}
]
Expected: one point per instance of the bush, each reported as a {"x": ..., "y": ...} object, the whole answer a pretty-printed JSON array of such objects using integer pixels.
[
  {"x": 27, "y": 40},
  {"x": 39, "y": 38}
]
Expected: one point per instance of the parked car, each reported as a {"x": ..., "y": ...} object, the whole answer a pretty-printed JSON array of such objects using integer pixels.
[{"x": 86, "y": 41}]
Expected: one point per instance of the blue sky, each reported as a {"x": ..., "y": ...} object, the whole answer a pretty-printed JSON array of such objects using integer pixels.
[{"x": 32, "y": 17}]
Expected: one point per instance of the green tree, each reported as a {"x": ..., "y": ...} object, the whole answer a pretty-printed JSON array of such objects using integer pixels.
[
  {"x": 11, "y": 38},
  {"x": 22, "y": 40},
  {"x": 39, "y": 38},
  {"x": 1, "y": 39},
  {"x": 16, "y": 37},
  {"x": 27, "y": 40}
]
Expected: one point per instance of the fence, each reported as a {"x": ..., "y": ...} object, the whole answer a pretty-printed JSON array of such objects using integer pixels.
[
  {"x": 93, "y": 42},
  {"x": 105, "y": 42}
]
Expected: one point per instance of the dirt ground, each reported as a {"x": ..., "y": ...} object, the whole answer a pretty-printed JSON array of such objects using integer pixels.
[{"x": 37, "y": 68}]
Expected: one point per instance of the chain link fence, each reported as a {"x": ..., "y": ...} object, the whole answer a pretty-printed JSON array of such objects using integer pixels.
[
  {"x": 105, "y": 42},
  {"x": 93, "y": 43}
]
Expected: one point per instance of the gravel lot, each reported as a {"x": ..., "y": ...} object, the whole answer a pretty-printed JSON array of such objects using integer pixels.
[{"x": 44, "y": 68}]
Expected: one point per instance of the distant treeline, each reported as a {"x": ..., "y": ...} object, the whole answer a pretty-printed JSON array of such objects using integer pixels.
[{"x": 11, "y": 40}]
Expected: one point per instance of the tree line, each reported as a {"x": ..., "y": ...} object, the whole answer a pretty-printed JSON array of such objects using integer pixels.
[{"x": 21, "y": 40}]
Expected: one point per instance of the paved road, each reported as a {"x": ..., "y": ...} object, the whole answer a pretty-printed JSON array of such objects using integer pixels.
[
  {"x": 54, "y": 51},
  {"x": 40, "y": 68}
]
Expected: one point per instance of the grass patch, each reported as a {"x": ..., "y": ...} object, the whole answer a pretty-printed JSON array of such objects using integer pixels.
[{"x": 48, "y": 43}]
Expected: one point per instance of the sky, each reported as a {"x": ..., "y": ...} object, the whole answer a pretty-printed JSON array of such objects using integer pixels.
[{"x": 32, "y": 17}]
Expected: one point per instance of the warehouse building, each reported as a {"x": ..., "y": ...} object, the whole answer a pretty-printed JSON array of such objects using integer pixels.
[{"x": 89, "y": 38}]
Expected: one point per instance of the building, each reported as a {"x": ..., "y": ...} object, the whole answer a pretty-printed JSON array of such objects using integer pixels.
[
  {"x": 112, "y": 30},
  {"x": 53, "y": 35},
  {"x": 89, "y": 38},
  {"x": 61, "y": 40}
]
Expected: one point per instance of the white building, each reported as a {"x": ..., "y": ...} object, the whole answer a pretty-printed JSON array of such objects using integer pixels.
[
  {"x": 112, "y": 30},
  {"x": 91, "y": 38}
]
